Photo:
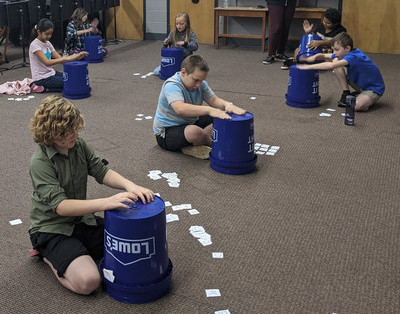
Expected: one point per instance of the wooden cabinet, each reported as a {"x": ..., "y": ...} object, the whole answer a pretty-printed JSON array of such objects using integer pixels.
[{"x": 373, "y": 25}]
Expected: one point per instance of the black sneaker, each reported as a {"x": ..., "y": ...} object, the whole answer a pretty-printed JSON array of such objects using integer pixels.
[
  {"x": 281, "y": 57},
  {"x": 342, "y": 102},
  {"x": 269, "y": 60},
  {"x": 288, "y": 63}
]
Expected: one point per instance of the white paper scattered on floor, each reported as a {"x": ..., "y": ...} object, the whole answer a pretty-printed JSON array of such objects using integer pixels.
[
  {"x": 218, "y": 255},
  {"x": 172, "y": 217},
  {"x": 193, "y": 211},
  {"x": 138, "y": 119},
  {"x": 15, "y": 222},
  {"x": 141, "y": 115},
  {"x": 323, "y": 114},
  {"x": 253, "y": 98},
  {"x": 10, "y": 98},
  {"x": 168, "y": 203},
  {"x": 158, "y": 194},
  {"x": 136, "y": 74},
  {"x": 202, "y": 236},
  {"x": 343, "y": 114},
  {"x": 330, "y": 109},
  {"x": 148, "y": 117},
  {"x": 222, "y": 312},
  {"x": 210, "y": 293},
  {"x": 265, "y": 149},
  {"x": 172, "y": 177},
  {"x": 108, "y": 274}
]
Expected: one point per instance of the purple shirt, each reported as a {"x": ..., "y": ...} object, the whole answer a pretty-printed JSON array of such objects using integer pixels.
[{"x": 39, "y": 70}]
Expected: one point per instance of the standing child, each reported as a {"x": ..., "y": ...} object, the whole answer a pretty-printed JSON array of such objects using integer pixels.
[
  {"x": 63, "y": 226},
  {"x": 77, "y": 29},
  {"x": 352, "y": 68},
  {"x": 181, "y": 122},
  {"x": 329, "y": 27},
  {"x": 43, "y": 56},
  {"x": 182, "y": 36}
]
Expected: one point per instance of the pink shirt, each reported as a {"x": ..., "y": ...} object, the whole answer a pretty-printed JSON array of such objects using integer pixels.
[{"x": 39, "y": 70}]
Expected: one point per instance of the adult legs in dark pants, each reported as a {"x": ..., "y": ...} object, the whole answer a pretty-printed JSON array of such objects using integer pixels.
[{"x": 279, "y": 25}]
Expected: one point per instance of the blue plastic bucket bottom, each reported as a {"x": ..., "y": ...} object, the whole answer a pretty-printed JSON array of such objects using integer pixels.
[
  {"x": 233, "y": 168},
  {"x": 301, "y": 103},
  {"x": 139, "y": 294}
]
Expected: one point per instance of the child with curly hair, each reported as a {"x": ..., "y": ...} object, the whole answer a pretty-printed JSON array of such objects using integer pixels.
[{"x": 64, "y": 229}]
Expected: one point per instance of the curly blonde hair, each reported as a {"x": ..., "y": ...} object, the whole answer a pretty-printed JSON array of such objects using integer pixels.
[{"x": 55, "y": 119}]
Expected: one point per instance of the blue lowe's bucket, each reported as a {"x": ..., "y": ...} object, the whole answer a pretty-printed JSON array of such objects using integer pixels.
[
  {"x": 233, "y": 145},
  {"x": 304, "y": 51},
  {"x": 76, "y": 80},
  {"x": 303, "y": 88},
  {"x": 94, "y": 46},
  {"x": 171, "y": 61},
  {"x": 136, "y": 267}
]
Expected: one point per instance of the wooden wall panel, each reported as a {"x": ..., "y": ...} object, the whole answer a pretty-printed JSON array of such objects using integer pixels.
[
  {"x": 201, "y": 17},
  {"x": 373, "y": 25},
  {"x": 129, "y": 20}
]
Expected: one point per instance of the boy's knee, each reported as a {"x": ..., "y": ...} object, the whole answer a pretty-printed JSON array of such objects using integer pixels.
[{"x": 88, "y": 283}]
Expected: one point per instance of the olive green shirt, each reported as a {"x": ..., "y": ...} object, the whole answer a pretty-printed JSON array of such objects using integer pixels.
[{"x": 56, "y": 177}]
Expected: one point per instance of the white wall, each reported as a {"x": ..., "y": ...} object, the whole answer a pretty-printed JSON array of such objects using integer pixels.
[{"x": 156, "y": 18}]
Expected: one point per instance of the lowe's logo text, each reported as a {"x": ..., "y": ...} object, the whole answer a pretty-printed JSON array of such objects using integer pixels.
[
  {"x": 128, "y": 251},
  {"x": 167, "y": 61}
]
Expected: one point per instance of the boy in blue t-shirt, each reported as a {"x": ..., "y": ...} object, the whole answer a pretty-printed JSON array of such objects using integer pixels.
[
  {"x": 181, "y": 121},
  {"x": 351, "y": 67}
]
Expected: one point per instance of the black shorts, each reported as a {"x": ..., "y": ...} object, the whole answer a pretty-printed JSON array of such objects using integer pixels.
[
  {"x": 175, "y": 139},
  {"x": 60, "y": 250}
]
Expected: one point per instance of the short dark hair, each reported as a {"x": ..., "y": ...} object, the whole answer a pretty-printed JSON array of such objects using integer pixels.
[
  {"x": 343, "y": 39},
  {"x": 193, "y": 62},
  {"x": 333, "y": 15}
]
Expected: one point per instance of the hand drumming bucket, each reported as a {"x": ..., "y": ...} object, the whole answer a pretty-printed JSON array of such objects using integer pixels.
[
  {"x": 233, "y": 145},
  {"x": 171, "y": 61},
  {"x": 94, "y": 46},
  {"x": 136, "y": 267},
  {"x": 303, "y": 88},
  {"x": 304, "y": 51},
  {"x": 76, "y": 80}
]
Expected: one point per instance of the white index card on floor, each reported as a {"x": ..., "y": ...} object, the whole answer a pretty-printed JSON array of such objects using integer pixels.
[
  {"x": 15, "y": 222},
  {"x": 168, "y": 203},
  {"x": 330, "y": 109},
  {"x": 222, "y": 312},
  {"x": 218, "y": 255},
  {"x": 172, "y": 217},
  {"x": 210, "y": 293},
  {"x": 193, "y": 211}
]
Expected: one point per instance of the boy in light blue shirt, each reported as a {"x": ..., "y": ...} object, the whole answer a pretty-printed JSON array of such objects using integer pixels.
[
  {"x": 181, "y": 121},
  {"x": 352, "y": 68}
]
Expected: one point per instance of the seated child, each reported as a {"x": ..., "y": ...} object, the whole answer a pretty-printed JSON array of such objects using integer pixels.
[
  {"x": 181, "y": 121},
  {"x": 77, "y": 29},
  {"x": 43, "y": 56},
  {"x": 329, "y": 27},
  {"x": 352, "y": 68},
  {"x": 64, "y": 229},
  {"x": 182, "y": 36}
]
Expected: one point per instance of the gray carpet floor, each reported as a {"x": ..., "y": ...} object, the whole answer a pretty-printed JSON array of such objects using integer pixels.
[{"x": 315, "y": 229}]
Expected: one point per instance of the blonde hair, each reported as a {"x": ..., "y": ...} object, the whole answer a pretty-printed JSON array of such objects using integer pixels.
[
  {"x": 188, "y": 29},
  {"x": 55, "y": 119}
]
